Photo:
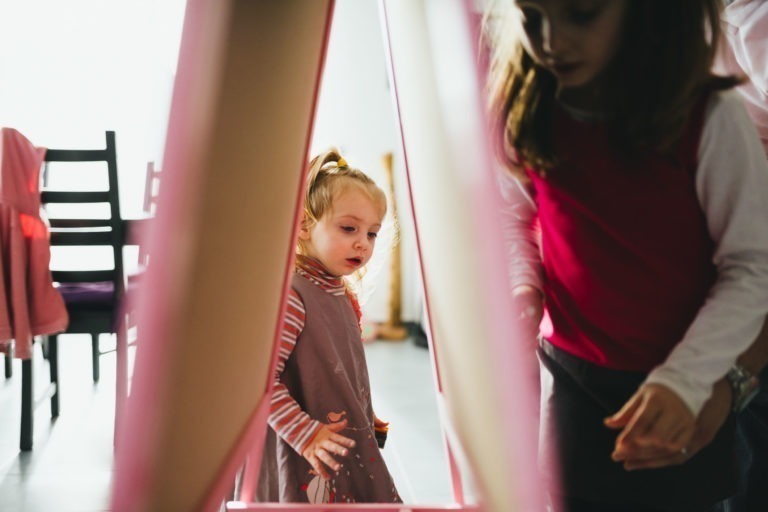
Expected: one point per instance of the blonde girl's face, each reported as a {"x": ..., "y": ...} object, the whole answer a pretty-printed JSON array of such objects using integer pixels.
[
  {"x": 344, "y": 238},
  {"x": 574, "y": 39}
]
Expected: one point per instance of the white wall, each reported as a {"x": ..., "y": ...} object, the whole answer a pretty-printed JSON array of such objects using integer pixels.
[
  {"x": 69, "y": 70},
  {"x": 355, "y": 113}
]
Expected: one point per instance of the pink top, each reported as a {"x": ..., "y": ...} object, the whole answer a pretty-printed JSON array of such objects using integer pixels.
[
  {"x": 624, "y": 276},
  {"x": 745, "y": 25},
  {"x": 29, "y": 303}
]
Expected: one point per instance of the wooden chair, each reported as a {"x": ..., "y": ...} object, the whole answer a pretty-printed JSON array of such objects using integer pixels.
[
  {"x": 151, "y": 189},
  {"x": 92, "y": 296},
  {"x": 151, "y": 192},
  {"x": 135, "y": 230}
]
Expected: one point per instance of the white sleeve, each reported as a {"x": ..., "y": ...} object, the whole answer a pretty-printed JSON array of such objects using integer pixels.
[
  {"x": 746, "y": 26},
  {"x": 520, "y": 232},
  {"x": 732, "y": 186}
]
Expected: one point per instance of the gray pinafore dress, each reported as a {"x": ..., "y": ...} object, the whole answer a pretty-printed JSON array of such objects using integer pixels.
[{"x": 327, "y": 375}]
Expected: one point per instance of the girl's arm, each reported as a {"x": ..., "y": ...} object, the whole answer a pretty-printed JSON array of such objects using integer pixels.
[
  {"x": 286, "y": 417},
  {"x": 520, "y": 232},
  {"x": 732, "y": 185},
  {"x": 521, "y": 242},
  {"x": 710, "y": 420},
  {"x": 317, "y": 442}
]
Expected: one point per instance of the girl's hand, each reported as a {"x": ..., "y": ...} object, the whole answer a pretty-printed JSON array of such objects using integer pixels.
[
  {"x": 528, "y": 307},
  {"x": 378, "y": 423},
  {"x": 655, "y": 420},
  {"x": 325, "y": 443},
  {"x": 709, "y": 422},
  {"x": 380, "y": 428}
]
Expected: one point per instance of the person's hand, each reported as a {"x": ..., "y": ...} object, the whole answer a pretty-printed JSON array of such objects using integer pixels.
[
  {"x": 528, "y": 307},
  {"x": 379, "y": 423},
  {"x": 527, "y": 310},
  {"x": 710, "y": 420},
  {"x": 656, "y": 420},
  {"x": 326, "y": 443}
]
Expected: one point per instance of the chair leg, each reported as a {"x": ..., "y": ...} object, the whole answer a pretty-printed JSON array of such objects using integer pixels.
[
  {"x": 27, "y": 405},
  {"x": 53, "y": 365},
  {"x": 44, "y": 345},
  {"x": 95, "y": 352},
  {"x": 121, "y": 375},
  {"x": 9, "y": 363}
]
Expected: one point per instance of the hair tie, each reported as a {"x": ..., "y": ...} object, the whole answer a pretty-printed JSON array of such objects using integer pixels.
[{"x": 341, "y": 162}]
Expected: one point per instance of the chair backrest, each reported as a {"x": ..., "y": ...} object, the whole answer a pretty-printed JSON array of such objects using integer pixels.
[
  {"x": 151, "y": 192},
  {"x": 151, "y": 189},
  {"x": 73, "y": 230}
]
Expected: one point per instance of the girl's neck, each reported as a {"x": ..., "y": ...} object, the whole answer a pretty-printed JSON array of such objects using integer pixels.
[
  {"x": 315, "y": 271},
  {"x": 314, "y": 266},
  {"x": 585, "y": 99},
  {"x": 583, "y": 103}
]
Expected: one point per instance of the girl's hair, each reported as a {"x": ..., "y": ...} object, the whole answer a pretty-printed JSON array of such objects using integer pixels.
[
  {"x": 659, "y": 73},
  {"x": 329, "y": 175}
]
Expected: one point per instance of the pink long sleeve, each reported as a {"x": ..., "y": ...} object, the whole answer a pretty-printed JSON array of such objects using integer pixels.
[{"x": 286, "y": 416}]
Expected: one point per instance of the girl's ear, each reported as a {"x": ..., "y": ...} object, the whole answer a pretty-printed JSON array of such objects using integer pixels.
[{"x": 305, "y": 228}]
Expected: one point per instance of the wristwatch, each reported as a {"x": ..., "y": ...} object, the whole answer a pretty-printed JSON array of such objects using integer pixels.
[{"x": 744, "y": 385}]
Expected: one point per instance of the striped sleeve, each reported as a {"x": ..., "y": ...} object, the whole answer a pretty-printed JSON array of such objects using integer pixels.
[{"x": 286, "y": 417}]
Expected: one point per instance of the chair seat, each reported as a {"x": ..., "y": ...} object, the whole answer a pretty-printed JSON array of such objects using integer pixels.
[{"x": 99, "y": 295}]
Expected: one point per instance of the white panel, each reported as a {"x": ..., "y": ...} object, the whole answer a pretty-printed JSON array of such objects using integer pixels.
[{"x": 456, "y": 203}]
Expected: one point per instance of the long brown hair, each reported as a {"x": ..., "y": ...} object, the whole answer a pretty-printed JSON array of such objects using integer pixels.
[{"x": 660, "y": 71}]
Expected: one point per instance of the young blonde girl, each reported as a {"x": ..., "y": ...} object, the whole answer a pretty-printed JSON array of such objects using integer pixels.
[
  {"x": 635, "y": 218},
  {"x": 321, "y": 409}
]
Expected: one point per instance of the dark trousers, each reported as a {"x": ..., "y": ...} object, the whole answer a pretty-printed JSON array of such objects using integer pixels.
[
  {"x": 751, "y": 455},
  {"x": 576, "y": 397}
]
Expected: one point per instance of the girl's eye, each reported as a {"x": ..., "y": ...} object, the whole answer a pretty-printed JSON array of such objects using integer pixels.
[
  {"x": 348, "y": 229},
  {"x": 373, "y": 235},
  {"x": 583, "y": 17}
]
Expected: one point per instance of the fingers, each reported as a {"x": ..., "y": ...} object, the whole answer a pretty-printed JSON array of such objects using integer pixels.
[
  {"x": 327, "y": 444},
  {"x": 321, "y": 459},
  {"x": 639, "y": 429},
  {"x": 638, "y": 419},
  {"x": 674, "y": 459},
  {"x": 638, "y": 453},
  {"x": 327, "y": 459},
  {"x": 338, "y": 426},
  {"x": 654, "y": 416},
  {"x": 681, "y": 438},
  {"x": 319, "y": 468},
  {"x": 652, "y": 458},
  {"x": 663, "y": 431},
  {"x": 622, "y": 418},
  {"x": 338, "y": 444}
]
